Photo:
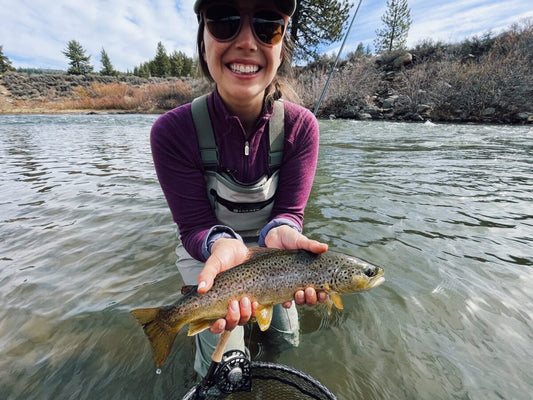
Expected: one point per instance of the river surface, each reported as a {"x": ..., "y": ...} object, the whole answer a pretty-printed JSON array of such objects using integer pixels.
[{"x": 447, "y": 210}]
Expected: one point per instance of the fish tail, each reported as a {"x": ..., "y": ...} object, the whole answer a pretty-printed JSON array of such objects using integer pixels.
[{"x": 160, "y": 334}]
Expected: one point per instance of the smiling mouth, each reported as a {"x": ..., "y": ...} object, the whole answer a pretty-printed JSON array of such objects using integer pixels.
[{"x": 244, "y": 69}]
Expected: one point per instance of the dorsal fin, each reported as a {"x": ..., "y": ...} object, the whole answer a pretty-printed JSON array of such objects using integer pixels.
[{"x": 187, "y": 289}]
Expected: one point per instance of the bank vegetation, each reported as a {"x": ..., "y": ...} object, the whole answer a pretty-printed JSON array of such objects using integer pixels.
[{"x": 482, "y": 79}]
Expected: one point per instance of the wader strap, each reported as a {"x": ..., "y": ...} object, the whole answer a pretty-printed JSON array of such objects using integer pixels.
[
  {"x": 277, "y": 134},
  {"x": 206, "y": 136},
  {"x": 204, "y": 129}
]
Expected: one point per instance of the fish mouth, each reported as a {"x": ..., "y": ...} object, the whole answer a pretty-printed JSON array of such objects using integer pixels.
[{"x": 375, "y": 280}]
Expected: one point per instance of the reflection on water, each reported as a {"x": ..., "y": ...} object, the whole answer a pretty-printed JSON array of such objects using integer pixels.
[{"x": 447, "y": 211}]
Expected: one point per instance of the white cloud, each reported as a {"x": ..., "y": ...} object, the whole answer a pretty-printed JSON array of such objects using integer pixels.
[
  {"x": 34, "y": 33},
  {"x": 455, "y": 21}
]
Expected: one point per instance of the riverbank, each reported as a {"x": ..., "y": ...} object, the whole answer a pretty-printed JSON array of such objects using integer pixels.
[
  {"x": 481, "y": 80},
  {"x": 364, "y": 91},
  {"x": 22, "y": 93}
]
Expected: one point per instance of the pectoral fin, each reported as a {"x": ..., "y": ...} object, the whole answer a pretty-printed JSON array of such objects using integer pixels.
[
  {"x": 335, "y": 298},
  {"x": 198, "y": 326},
  {"x": 329, "y": 303},
  {"x": 264, "y": 317}
]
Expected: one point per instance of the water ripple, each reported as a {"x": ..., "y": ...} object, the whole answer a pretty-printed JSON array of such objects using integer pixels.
[{"x": 446, "y": 210}]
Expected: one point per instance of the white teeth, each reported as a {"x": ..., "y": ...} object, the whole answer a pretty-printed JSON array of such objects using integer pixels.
[{"x": 244, "y": 69}]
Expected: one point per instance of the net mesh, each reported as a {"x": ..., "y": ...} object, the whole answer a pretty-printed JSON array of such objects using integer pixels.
[{"x": 274, "y": 382}]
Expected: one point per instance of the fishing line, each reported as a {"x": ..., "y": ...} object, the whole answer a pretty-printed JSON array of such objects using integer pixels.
[{"x": 337, "y": 59}]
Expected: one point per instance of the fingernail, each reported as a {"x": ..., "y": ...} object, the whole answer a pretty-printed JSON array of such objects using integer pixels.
[
  {"x": 245, "y": 302},
  {"x": 202, "y": 285},
  {"x": 234, "y": 305}
]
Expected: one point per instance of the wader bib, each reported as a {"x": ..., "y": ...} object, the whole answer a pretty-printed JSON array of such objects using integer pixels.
[{"x": 246, "y": 208}]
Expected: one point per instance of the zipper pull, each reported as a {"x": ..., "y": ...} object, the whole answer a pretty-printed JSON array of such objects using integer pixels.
[{"x": 246, "y": 148}]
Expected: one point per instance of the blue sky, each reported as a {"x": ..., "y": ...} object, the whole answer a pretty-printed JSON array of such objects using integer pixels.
[{"x": 34, "y": 33}]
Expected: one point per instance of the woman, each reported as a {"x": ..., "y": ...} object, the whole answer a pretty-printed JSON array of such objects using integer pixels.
[{"x": 241, "y": 44}]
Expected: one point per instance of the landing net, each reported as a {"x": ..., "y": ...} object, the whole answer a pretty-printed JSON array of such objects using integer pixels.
[{"x": 270, "y": 382}]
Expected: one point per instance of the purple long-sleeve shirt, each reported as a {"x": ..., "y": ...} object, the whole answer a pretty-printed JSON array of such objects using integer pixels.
[{"x": 180, "y": 171}]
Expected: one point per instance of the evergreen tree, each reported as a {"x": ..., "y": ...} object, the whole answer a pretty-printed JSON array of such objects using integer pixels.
[
  {"x": 358, "y": 53},
  {"x": 160, "y": 65},
  {"x": 143, "y": 70},
  {"x": 107, "y": 67},
  {"x": 397, "y": 21},
  {"x": 176, "y": 63},
  {"x": 79, "y": 62},
  {"x": 5, "y": 63},
  {"x": 317, "y": 23},
  {"x": 180, "y": 64}
]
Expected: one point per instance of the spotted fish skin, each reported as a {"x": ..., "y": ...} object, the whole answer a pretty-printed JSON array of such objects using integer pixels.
[{"x": 269, "y": 277}]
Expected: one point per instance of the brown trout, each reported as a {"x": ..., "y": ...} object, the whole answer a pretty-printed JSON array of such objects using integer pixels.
[{"x": 270, "y": 276}]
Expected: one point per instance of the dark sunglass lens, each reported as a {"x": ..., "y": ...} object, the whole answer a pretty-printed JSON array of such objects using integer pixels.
[
  {"x": 269, "y": 26},
  {"x": 223, "y": 22}
]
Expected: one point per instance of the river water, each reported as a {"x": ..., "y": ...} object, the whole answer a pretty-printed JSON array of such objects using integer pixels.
[{"x": 447, "y": 210}]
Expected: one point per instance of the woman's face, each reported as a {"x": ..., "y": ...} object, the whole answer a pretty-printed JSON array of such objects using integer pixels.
[{"x": 244, "y": 66}]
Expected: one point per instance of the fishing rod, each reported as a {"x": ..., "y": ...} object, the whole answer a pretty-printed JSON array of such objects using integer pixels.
[
  {"x": 337, "y": 59},
  {"x": 209, "y": 379}
]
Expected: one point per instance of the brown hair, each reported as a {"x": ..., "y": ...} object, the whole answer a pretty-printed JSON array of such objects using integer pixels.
[{"x": 279, "y": 87}]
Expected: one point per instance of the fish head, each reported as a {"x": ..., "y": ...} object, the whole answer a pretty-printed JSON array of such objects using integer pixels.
[{"x": 354, "y": 275}]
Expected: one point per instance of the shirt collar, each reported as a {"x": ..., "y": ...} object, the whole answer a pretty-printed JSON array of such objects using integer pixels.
[{"x": 221, "y": 115}]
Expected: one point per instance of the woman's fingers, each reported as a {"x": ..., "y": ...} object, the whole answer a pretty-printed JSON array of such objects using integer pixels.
[
  {"x": 285, "y": 237},
  {"x": 309, "y": 296},
  {"x": 225, "y": 254},
  {"x": 239, "y": 313}
]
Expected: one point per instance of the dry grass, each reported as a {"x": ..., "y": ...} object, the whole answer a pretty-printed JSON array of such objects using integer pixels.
[{"x": 120, "y": 96}]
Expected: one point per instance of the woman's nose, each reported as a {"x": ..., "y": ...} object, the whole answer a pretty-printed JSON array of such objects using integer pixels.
[{"x": 246, "y": 38}]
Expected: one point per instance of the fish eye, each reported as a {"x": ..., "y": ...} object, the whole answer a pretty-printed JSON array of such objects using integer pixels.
[{"x": 370, "y": 272}]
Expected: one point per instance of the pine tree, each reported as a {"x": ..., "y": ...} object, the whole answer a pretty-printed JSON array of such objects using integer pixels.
[
  {"x": 79, "y": 62},
  {"x": 180, "y": 64},
  {"x": 107, "y": 67},
  {"x": 160, "y": 65},
  {"x": 5, "y": 63},
  {"x": 397, "y": 21},
  {"x": 316, "y": 23}
]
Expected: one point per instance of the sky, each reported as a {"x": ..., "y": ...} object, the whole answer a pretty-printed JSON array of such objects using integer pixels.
[{"x": 34, "y": 33}]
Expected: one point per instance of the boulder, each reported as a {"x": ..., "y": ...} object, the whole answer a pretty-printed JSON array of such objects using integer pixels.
[{"x": 402, "y": 60}]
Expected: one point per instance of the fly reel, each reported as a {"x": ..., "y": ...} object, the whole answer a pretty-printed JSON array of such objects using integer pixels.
[{"x": 234, "y": 373}]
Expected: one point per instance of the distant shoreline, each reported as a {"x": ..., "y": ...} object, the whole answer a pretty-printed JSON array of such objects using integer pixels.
[
  {"x": 480, "y": 80},
  {"x": 375, "y": 93}
]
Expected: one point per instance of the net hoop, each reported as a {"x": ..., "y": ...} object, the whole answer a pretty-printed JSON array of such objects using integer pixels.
[{"x": 274, "y": 381}]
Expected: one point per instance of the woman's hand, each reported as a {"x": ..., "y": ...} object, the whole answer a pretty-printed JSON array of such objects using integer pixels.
[
  {"x": 226, "y": 254},
  {"x": 285, "y": 237}
]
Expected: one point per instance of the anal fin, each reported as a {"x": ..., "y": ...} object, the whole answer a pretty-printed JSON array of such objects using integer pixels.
[
  {"x": 263, "y": 316},
  {"x": 335, "y": 298},
  {"x": 198, "y": 326}
]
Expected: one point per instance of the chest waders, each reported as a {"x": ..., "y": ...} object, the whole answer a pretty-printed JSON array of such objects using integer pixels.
[{"x": 246, "y": 208}]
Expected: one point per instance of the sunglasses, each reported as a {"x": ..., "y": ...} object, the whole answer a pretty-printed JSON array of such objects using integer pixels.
[{"x": 224, "y": 23}]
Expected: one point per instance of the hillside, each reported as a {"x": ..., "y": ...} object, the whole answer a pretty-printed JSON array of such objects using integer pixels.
[{"x": 488, "y": 79}]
